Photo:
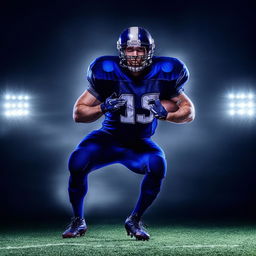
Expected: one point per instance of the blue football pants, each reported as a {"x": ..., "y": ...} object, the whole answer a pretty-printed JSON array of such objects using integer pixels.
[{"x": 100, "y": 148}]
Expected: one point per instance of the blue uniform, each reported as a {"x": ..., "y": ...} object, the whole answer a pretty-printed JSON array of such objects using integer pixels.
[
  {"x": 125, "y": 135},
  {"x": 163, "y": 79}
]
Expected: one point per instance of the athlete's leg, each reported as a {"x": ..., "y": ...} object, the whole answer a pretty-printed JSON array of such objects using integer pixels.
[
  {"x": 149, "y": 159},
  {"x": 151, "y": 184},
  {"x": 96, "y": 150}
]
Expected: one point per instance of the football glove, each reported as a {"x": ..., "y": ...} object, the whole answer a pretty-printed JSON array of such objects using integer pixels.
[
  {"x": 158, "y": 109},
  {"x": 112, "y": 103}
]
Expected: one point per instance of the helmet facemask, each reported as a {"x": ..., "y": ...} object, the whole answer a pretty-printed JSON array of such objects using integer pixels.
[{"x": 145, "y": 59}]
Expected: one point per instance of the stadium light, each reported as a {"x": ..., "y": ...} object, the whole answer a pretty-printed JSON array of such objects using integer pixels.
[
  {"x": 16, "y": 105},
  {"x": 231, "y": 96},
  {"x": 241, "y": 104}
]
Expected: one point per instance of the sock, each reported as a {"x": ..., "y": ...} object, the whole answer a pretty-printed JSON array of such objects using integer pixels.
[
  {"x": 150, "y": 187},
  {"x": 77, "y": 189}
]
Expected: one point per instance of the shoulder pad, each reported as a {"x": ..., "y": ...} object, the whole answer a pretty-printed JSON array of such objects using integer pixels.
[
  {"x": 169, "y": 64},
  {"x": 168, "y": 68},
  {"x": 102, "y": 65}
]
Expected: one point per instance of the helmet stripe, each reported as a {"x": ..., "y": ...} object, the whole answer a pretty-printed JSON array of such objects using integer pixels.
[{"x": 134, "y": 33}]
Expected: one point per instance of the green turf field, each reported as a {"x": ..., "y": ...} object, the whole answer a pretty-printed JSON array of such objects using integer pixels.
[{"x": 112, "y": 240}]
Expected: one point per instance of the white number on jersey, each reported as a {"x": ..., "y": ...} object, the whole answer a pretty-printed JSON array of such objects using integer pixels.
[{"x": 129, "y": 116}]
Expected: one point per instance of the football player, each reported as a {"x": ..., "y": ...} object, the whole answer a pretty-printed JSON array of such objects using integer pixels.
[{"x": 133, "y": 90}]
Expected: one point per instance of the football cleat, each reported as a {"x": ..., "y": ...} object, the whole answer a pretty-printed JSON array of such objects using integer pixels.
[
  {"x": 76, "y": 228},
  {"x": 134, "y": 227}
]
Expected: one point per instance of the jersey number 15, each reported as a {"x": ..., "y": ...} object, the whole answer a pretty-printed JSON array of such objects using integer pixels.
[{"x": 130, "y": 116}]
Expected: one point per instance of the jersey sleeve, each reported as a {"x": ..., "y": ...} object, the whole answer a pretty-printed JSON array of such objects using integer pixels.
[
  {"x": 179, "y": 77},
  {"x": 94, "y": 84},
  {"x": 181, "y": 80}
]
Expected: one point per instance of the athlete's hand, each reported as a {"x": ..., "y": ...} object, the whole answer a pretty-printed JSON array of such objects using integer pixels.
[
  {"x": 112, "y": 103},
  {"x": 158, "y": 109}
]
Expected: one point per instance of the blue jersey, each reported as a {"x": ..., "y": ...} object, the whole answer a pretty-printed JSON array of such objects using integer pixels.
[{"x": 163, "y": 79}]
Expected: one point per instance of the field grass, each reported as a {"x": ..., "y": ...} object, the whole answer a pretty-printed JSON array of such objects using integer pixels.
[{"x": 111, "y": 239}]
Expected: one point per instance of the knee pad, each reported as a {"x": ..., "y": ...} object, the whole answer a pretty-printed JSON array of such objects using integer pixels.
[
  {"x": 157, "y": 166},
  {"x": 78, "y": 162}
]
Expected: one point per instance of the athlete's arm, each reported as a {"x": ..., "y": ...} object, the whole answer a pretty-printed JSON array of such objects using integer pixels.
[
  {"x": 186, "y": 111},
  {"x": 87, "y": 108}
]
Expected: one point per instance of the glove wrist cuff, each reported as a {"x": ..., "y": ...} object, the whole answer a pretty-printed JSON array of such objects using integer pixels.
[{"x": 103, "y": 108}]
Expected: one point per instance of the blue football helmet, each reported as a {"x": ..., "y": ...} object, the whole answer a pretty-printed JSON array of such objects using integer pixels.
[{"x": 135, "y": 37}]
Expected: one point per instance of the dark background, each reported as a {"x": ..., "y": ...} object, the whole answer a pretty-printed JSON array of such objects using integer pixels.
[{"x": 45, "y": 49}]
